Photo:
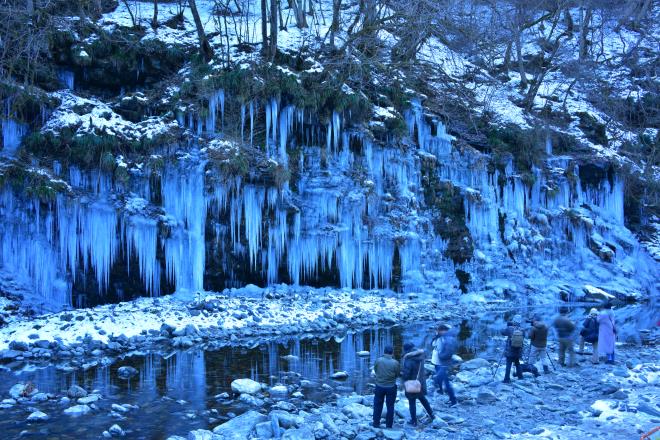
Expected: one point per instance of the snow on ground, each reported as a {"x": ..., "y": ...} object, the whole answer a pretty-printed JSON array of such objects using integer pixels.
[{"x": 144, "y": 314}]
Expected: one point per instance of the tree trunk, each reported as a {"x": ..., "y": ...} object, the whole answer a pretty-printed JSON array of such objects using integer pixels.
[
  {"x": 584, "y": 31},
  {"x": 128, "y": 8},
  {"x": 204, "y": 46},
  {"x": 273, "y": 29},
  {"x": 154, "y": 20},
  {"x": 264, "y": 28},
  {"x": 334, "y": 27},
  {"x": 521, "y": 62},
  {"x": 507, "y": 58},
  {"x": 30, "y": 7},
  {"x": 299, "y": 11}
]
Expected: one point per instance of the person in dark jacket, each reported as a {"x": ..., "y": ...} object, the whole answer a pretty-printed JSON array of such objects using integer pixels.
[
  {"x": 538, "y": 338},
  {"x": 413, "y": 368},
  {"x": 565, "y": 328},
  {"x": 387, "y": 370},
  {"x": 513, "y": 349},
  {"x": 444, "y": 347},
  {"x": 589, "y": 333}
]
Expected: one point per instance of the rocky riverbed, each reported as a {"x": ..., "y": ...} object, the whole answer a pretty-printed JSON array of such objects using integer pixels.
[{"x": 616, "y": 401}]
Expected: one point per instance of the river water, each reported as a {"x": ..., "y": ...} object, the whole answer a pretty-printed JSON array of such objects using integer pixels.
[{"x": 176, "y": 392}]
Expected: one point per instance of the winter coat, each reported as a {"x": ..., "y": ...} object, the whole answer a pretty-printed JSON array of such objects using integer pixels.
[
  {"x": 590, "y": 330},
  {"x": 511, "y": 352},
  {"x": 538, "y": 335},
  {"x": 411, "y": 367},
  {"x": 564, "y": 327},
  {"x": 606, "y": 333},
  {"x": 387, "y": 370},
  {"x": 444, "y": 347}
]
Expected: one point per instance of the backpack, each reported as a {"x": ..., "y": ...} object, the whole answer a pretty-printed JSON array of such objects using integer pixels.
[{"x": 517, "y": 337}]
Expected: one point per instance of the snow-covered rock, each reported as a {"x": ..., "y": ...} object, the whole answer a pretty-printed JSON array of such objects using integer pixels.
[
  {"x": 245, "y": 386},
  {"x": 77, "y": 410}
]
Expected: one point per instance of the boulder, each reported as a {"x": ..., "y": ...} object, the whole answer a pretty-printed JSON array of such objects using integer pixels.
[
  {"x": 9, "y": 355},
  {"x": 76, "y": 392},
  {"x": 245, "y": 386},
  {"x": 126, "y": 372},
  {"x": 393, "y": 434},
  {"x": 286, "y": 420},
  {"x": 22, "y": 390},
  {"x": 475, "y": 364},
  {"x": 116, "y": 431},
  {"x": 303, "y": 433},
  {"x": 89, "y": 399},
  {"x": 18, "y": 346},
  {"x": 339, "y": 375},
  {"x": 486, "y": 397},
  {"x": 77, "y": 410},
  {"x": 264, "y": 430},
  {"x": 38, "y": 416},
  {"x": 279, "y": 390},
  {"x": 40, "y": 397},
  {"x": 239, "y": 428},
  {"x": 357, "y": 411},
  {"x": 201, "y": 434}
]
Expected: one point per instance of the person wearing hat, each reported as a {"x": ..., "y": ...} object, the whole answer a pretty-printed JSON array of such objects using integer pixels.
[
  {"x": 538, "y": 338},
  {"x": 589, "y": 333},
  {"x": 565, "y": 328},
  {"x": 444, "y": 347},
  {"x": 413, "y": 370},
  {"x": 514, "y": 345}
]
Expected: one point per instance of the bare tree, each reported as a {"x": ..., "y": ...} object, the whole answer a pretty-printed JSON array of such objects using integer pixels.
[
  {"x": 154, "y": 19},
  {"x": 204, "y": 46},
  {"x": 272, "y": 46},
  {"x": 264, "y": 28}
]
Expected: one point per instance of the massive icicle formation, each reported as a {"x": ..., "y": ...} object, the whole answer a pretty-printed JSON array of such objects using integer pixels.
[{"x": 353, "y": 217}]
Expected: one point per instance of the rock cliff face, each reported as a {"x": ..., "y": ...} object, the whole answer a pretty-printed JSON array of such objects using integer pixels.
[{"x": 151, "y": 172}]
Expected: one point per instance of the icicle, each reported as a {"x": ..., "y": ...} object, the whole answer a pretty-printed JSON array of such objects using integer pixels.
[
  {"x": 242, "y": 122},
  {"x": 251, "y": 123},
  {"x": 12, "y": 133},
  {"x": 185, "y": 202},
  {"x": 142, "y": 238},
  {"x": 66, "y": 78}
]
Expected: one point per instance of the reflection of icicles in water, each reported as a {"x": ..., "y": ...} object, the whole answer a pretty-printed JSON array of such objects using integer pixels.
[{"x": 186, "y": 378}]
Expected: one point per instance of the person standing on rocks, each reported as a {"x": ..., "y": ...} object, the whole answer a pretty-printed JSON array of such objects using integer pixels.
[
  {"x": 444, "y": 347},
  {"x": 414, "y": 381},
  {"x": 565, "y": 328},
  {"x": 514, "y": 345},
  {"x": 589, "y": 333},
  {"x": 606, "y": 334},
  {"x": 387, "y": 370},
  {"x": 538, "y": 338}
]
